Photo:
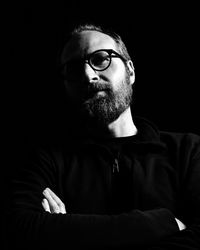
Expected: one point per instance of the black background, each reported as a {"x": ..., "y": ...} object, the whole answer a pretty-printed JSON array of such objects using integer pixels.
[{"x": 163, "y": 40}]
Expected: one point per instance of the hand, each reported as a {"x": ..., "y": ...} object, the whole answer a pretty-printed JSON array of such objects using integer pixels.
[
  {"x": 180, "y": 224},
  {"x": 52, "y": 203}
]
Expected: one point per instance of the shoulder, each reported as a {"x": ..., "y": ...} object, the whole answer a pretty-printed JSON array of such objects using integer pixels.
[
  {"x": 180, "y": 137},
  {"x": 184, "y": 142}
]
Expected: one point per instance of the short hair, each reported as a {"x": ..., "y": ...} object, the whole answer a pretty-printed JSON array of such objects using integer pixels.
[{"x": 122, "y": 50}]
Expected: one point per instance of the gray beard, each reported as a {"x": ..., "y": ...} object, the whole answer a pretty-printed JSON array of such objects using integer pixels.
[{"x": 105, "y": 109}]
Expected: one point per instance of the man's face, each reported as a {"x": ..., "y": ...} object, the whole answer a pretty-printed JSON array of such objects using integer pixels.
[{"x": 99, "y": 95}]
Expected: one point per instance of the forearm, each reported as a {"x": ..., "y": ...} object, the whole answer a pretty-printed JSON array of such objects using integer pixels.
[{"x": 132, "y": 229}]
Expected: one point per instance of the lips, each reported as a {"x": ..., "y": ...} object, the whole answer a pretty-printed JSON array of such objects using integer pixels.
[
  {"x": 96, "y": 89},
  {"x": 94, "y": 92}
]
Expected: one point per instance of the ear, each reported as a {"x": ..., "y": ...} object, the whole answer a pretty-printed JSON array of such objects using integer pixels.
[{"x": 131, "y": 71}]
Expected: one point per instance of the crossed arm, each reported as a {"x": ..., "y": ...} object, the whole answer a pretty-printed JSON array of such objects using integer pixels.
[{"x": 53, "y": 204}]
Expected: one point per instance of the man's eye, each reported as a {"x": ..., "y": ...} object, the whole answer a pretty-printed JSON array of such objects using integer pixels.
[{"x": 100, "y": 60}]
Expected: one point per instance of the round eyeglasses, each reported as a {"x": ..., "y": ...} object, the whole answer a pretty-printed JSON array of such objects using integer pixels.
[{"x": 98, "y": 60}]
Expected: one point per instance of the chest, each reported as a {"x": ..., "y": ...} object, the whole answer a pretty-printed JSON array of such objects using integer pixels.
[{"x": 113, "y": 183}]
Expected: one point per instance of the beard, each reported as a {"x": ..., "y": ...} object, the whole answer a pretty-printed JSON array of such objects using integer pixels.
[{"x": 106, "y": 106}]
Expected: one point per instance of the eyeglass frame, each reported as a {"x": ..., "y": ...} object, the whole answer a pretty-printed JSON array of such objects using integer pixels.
[{"x": 87, "y": 57}]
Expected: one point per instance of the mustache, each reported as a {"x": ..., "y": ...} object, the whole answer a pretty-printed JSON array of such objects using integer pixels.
[{"x": 95, "y": 87}]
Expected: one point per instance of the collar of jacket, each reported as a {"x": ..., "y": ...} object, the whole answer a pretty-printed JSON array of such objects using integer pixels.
[{"x": 147, "y": 137}]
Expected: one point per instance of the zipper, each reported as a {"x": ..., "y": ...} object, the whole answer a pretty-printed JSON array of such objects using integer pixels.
[{"x": 115, "y": 166}]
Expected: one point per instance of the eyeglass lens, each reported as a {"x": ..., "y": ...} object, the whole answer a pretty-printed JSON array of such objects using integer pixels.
[{"x": 100, "y": 60}]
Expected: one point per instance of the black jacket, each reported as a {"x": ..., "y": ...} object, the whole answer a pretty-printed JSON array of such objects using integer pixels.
[{"x": 122, "y": 192}]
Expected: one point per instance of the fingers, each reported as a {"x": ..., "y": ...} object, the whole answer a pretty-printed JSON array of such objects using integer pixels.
[
  {"x": 58, "y": 201},
  {"x": 180, "y": 224},
  {"x": 45, "y": 205},
  {"x": 52, "y": 203},
  {"x": 54, "y": 208}
]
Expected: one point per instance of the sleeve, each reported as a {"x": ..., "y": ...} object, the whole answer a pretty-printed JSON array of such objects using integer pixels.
[
  {"x": 29, "y": 226},
  {"x": 189, "y": 203}
]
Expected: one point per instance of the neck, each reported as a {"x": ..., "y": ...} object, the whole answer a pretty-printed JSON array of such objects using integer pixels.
[{"x": 123, "y": 126}]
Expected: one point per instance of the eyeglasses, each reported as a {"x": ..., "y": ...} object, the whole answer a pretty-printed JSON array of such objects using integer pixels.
[{"x": 98, "y": 60}]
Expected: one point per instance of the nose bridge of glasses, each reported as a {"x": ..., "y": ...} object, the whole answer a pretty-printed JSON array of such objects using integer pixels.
[
  {"x": 89, "y": 72},
  {"x": 87, "y": 64},
  {"x": 88, "y": 69},
  {"x": 88, "y": 59}
]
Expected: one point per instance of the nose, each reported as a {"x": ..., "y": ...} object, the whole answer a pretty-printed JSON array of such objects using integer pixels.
[{"x": 89, "y": 74}]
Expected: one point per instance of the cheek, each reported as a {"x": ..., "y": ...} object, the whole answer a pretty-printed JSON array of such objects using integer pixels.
[{"x": 116, "y": 73}]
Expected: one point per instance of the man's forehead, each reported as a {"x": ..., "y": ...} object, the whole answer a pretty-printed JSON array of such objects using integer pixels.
[{"x": 88, "y": 41}]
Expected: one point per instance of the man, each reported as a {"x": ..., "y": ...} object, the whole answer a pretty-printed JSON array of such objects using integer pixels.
[{"x": 116, "y": 181}]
